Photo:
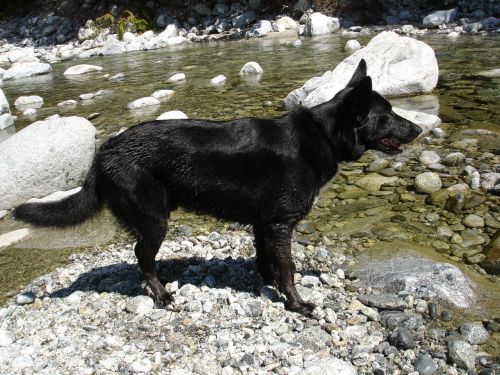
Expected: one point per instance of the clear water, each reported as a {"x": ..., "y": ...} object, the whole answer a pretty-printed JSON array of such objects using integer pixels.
[{"x": 467, "y": 99}]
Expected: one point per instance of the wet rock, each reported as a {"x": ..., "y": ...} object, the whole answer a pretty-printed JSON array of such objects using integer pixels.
[
  {"x": 428, "y": 182},
  {"x": 454, "y": 159},
  {"x": 177, "y": 77},
  {"x": 425, "y": 365},
  {"x": 373, "y": 181},
  {"x": 82, "y": 69},
  {"x": 32, "y": 101},
  {"x": 383, "y": 301},
  {"x": 163, "y": 94},
  {"x": 251, "y": 68},
  {"x": 60, "y": 154},
  {"x": 473, "y": 221},
  {"x": 413, "y": 57},
  {"x": 401, "y": 338},
  {"x": 474, "y": 333},
  {"x": 218, "y": 80},
  {"x": 462, "y": 354},
  {"x": 429, "y": 157},
  {"x": 67, "y": 103}
]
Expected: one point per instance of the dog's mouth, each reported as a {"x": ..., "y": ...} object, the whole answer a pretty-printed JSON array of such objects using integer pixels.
[{"x": 390, "y": 146}]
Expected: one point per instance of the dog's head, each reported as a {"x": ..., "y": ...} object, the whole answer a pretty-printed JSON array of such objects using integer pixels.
[{"x": 366, "y": 120}]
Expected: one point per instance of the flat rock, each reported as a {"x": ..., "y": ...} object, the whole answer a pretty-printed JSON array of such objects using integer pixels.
[
  {"x": 423, "y": 277},
  {"x": 373, "y": 181},
  {"x": 163, "y": 94},
  {"x": 23, "y": 70},
  {"x": 398, "y": 66},
  {"x": 34, "y": 101},
  {"x": 47, "y": 156},
  {"x": 11, "y": 238},
  {"x": 383, "y": 301},
  {"x": 392, "y": 319},
  {"x": 177, "y": 77},
  {"x": 426, "y": 121},
  {"x": 474, "y": 333},
  {"x": 82, "y": 69}
]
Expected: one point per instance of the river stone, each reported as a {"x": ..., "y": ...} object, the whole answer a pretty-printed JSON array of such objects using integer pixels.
[
  {"x": 82, "y": 69},
  {"x": 474, "y": 333},
  {"x": 428, "y": 182},
  {"x": 140, "y": 305},
  {"x": 23, "y": 70},
  {"x": 462, "y": 354},
  {"x": 25, "y": 298},
  {"x": 454, "y": 159},
  {"x": 172, "y": 115},
  {"x": 243, "y": 20},
  {"x": 6, "y": 120},
  {"x": 286, "y": 22},
  {"x": 352, "y": 46},
  {"x": 313, "y": 339},
  {"x": 261, "y": 28},
  {"x": 47, "y": 156},
  {"x": 11, "y": 238},
  {"x": 383, "y": 301},
  {"x": 4, "y": 104},
  {"x": 429, "y": 157},
  {"x": 492, "y": 252},
  {"x": 251, "y": 68},
  {"x": 319, "y": 24},
  {"x": 423, "y": 277},
  {"x": 473, "y": 221},
  {"x": 392, "y": 319},
  {"x": 401, "y": 338},
  {"x": 373, "y": 181},
  {"x": 330, "y": 366},
  {"x": 425, "y": 365},
  {"x": 143, "y": 102},
  {"x": 439, "y": 17},
  {"x": 398, "y": 65}
]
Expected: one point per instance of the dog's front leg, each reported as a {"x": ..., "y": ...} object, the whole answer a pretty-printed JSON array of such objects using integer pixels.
[{"x": 278, "y": 240}]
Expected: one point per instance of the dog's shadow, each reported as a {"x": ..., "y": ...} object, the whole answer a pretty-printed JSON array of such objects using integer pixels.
[{"x": 239, "y": 274}]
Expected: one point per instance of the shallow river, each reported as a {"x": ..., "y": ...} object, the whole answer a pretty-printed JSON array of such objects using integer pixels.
[{"x": 466, "y": 98}]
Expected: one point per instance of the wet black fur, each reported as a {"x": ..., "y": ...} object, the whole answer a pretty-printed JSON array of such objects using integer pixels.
[{"x": 263, "y": 172}]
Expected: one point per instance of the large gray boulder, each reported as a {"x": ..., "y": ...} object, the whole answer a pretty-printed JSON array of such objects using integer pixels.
[
  {"x": 44, "y": 157},
  {"x": 439, "y": 17},
  {"x": 319, "y": 24},
  {"x": 23, "y": 70},
  {"x": 398, "y": 66},
  {"x": 423, "y": 277}
]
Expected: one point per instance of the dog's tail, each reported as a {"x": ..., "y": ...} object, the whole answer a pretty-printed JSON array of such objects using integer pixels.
[{"x": 66, "y": 212}]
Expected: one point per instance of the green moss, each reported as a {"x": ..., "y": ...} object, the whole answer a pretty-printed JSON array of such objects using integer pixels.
[{"x": 128, "y": 21}]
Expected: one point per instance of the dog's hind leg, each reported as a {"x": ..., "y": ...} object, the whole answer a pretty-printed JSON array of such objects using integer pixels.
[
  {"x": 262, "y": 256},
  {"x": 278, "y": 240},
  {"x": 141, "y": 204}
]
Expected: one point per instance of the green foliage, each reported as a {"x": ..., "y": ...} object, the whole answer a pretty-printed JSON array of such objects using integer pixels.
[{"x": 126, "y": 22}]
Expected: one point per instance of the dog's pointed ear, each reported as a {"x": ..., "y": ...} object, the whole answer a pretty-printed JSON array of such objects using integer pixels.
[
  {"x": 356, "y": 104},
  {"x": 358, "y": 74}
]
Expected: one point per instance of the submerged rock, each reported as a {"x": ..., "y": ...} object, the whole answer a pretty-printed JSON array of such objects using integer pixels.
[
  {"x": 82, "y": 69},
  {"x": 398, "y": 65}
]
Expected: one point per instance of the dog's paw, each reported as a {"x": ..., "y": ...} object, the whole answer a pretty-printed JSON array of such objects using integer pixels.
[{"x": 303, "y": 308}]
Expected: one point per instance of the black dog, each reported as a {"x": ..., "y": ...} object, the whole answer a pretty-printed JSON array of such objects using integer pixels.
[{"x": 263, "y": 172}]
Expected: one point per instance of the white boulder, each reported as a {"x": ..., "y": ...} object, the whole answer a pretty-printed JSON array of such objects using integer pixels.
[
  {"x": 218, "y": 80},
  {"x": 398, "y": 65},
  {"x": 4, "y": 104},
  {"x": 112, "y": 46},
  {"x": 22, "y": 70},
  {"x": 170, "y": 31},
  {"x": 172, "y": 115},
  {"x": 319, "y": 24},
  {"x": 426, "y": 121},
  {"x": 352, "y": 45},
  {"x": 6, "y": 120},
  {"x": 147, "y": 101},
  {"x": 44, "y": 157},
  {"x": 82, "y": 69},
  {"x": 286, "y": 22},
  {"x": 439, "y": 17}
]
